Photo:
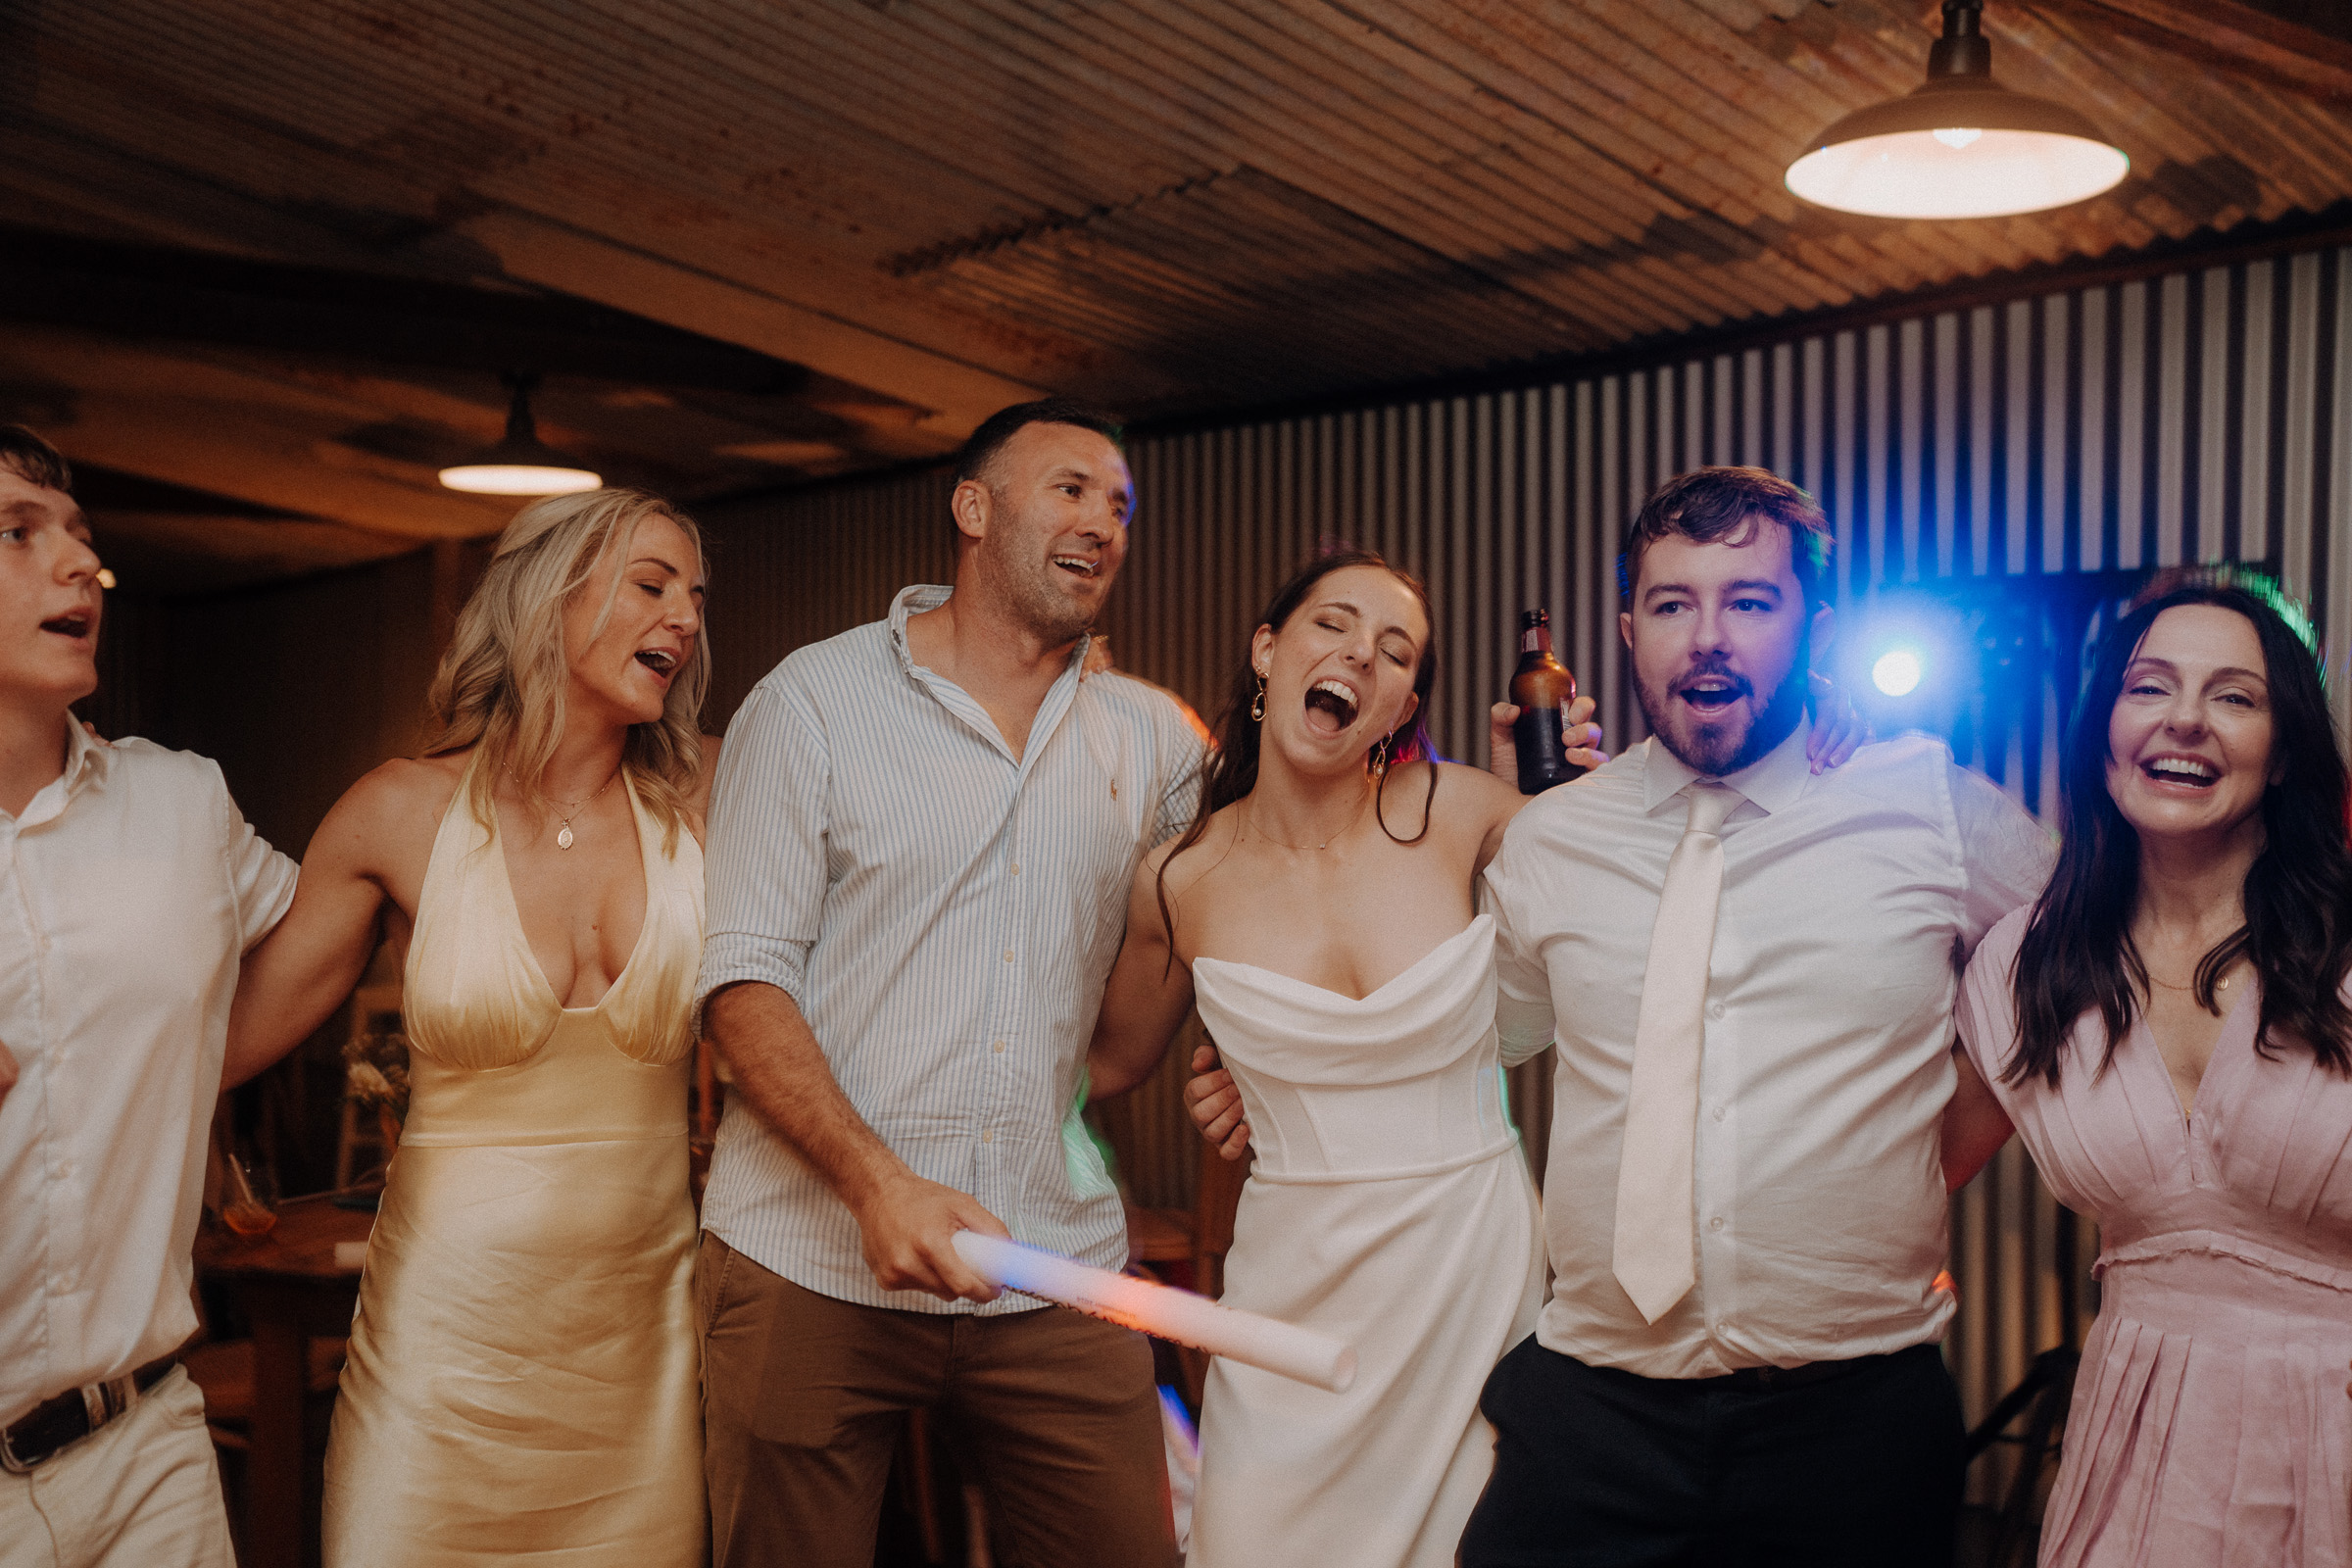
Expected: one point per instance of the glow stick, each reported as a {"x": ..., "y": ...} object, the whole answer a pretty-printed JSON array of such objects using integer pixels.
[{"x": 1171, "y": 1314}]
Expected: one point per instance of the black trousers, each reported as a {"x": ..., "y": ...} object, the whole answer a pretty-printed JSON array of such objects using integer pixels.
[{"x": 1598, "y": 1468}]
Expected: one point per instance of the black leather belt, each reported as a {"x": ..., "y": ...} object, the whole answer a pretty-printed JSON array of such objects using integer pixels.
[
  {"x": 57, "y": 1424},
  {"x": 1792, "y": 1377}
]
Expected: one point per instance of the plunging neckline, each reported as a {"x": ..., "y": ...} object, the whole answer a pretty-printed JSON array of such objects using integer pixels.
[
  {"x": 531, "y": 953},
  {"x": 2225, "y": 1042},
  {"x": 1395, "y": 979}
]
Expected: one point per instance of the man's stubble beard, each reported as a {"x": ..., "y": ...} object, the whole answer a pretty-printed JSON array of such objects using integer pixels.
[
  {"x": 1053, "y": 619},
  {"x": 1029, "y": 597},
  {"x": 1710, "y": 751}
]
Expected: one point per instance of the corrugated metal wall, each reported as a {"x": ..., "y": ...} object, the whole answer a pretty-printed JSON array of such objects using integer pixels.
[{"x": 2009, "y": 467}]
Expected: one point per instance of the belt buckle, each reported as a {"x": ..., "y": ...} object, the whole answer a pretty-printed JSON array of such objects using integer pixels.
[{"x": 10, "y": 1462}]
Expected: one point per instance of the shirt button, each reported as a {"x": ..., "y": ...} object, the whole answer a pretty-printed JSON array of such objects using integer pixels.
[
  {"x": 1720, "y": 1113},
  {"x": 1716, "y": 1011},
  {"x": 988, "y": 1137},
  {"x": 997, "y": 1047},
  {"x": 1016, "y": 868},
  {"x": 1008, "y": 955},
  {"x": 1716, "y": 1223},
  {"x": 61, "y": 1169}
]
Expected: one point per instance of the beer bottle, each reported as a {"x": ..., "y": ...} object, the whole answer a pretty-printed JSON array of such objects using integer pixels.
[{"x": 1542, "y": 688}]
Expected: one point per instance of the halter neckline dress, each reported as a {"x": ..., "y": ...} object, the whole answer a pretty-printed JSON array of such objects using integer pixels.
[
  {"x": 523, "y": 1375},
  {"x": 1390, "y": 1207}
]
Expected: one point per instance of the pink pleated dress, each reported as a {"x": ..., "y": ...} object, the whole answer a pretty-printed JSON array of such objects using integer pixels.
[{"x": 2210, "y": 1426}]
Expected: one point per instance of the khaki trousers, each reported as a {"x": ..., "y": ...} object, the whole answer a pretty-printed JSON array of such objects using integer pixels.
[
  {"x": 1053, "y": 1415},
  {"x": 142, "y": 1492}
]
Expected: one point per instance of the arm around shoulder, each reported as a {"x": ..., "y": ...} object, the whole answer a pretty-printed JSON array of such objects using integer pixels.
[
  {"x": 1975, "y": 1121},
  {"x": 310, "y": 961}
]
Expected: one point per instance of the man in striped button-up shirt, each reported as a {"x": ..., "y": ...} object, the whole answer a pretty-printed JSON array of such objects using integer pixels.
[{"x": 922, "y": 834}]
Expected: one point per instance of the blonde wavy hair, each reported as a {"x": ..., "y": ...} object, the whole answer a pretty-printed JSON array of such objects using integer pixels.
[{"x": 501, "y": 685}]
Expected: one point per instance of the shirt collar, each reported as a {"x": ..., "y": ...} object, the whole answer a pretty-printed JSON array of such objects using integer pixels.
[
  {"x": 918, "y": 597},
  {"x": 913, "y": 601},
  {"x": 85, "y": 760},
  {"x": 82, "y": 753},
  {"x": 1775, "y": 781}
]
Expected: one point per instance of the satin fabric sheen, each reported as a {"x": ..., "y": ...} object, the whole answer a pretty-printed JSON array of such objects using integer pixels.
[
  {"x": 522, "y": 1379},
  {"x": 2209, "y": 1427},
  {"x": 1390, "y": 1208}
]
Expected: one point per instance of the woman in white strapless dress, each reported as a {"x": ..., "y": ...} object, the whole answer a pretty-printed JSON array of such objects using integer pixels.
[{"x": 1321, "y": 907}]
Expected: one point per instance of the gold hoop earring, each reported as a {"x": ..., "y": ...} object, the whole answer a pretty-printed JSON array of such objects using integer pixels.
[{"x": 1257, "y": 704}]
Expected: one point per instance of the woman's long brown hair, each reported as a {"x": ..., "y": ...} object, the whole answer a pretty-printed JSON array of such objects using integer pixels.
[{"x": 2077, "y": 955}]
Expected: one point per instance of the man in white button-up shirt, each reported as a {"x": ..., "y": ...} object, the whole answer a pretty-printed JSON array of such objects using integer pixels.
[
  {"x": 129, "y": 886},
  {"x": 1789, "y": 1406},
  {"x": 922, "y": 834}
]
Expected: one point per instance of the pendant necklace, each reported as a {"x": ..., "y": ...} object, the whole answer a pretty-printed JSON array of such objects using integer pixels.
[
  {"x": 566, "y": 813},
  {"x": 2223, "y": 984}
]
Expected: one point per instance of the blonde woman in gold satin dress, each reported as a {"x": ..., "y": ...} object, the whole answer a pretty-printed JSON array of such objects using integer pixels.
[{"x": 522, "y": 1377}]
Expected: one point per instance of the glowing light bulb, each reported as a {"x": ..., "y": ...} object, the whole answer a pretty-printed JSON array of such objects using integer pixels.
[
  {"x": 518, "y": 479},
  {"x": 1897, "y": 672}
]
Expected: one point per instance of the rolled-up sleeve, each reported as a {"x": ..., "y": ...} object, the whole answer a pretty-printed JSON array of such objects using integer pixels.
[{"x": 765, "y": 861}]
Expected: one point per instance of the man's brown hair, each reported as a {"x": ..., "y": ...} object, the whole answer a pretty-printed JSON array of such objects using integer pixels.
[
  {"x": 33, "y": 460},
  {"x": 1722, "y": 505}
]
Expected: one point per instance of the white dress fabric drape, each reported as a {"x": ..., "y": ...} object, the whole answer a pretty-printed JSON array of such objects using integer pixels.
[{"x": 1390, "y": 1207}]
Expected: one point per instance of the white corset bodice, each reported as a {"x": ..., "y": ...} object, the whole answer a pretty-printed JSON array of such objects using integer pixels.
[{"x": 1403, "y": 1082}]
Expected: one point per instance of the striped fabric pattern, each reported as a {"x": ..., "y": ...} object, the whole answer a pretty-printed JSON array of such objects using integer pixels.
[{"x": 944, "y": 914}]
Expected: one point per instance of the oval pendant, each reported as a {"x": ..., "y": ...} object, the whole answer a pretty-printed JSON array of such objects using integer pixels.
[{"x": 563, "y": 838}]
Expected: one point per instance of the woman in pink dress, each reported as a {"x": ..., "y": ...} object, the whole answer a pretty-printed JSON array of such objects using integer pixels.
[{"x": 2167, "y": 1029}]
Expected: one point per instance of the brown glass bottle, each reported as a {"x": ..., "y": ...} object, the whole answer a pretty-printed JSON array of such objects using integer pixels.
[{"x": 1542, "y": 688}]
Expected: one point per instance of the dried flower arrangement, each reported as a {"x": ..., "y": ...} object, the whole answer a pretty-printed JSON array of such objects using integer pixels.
[{"x": 376, "y": 1067}]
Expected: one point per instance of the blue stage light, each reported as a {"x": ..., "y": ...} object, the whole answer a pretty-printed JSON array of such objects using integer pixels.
[{"x": 1897, "y": 672}]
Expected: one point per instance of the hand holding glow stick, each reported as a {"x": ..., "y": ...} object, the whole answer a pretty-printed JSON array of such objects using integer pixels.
[{"x": 1171, "y": 1314}]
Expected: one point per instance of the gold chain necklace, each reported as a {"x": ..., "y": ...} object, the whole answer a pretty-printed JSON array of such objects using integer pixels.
[
  {"x": 2223, "y": 984},
  {"x": 565, "y": 813},
  {"x": 1309, "y": 849}
]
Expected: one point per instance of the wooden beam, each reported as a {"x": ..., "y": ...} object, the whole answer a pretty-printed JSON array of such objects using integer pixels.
[
  {"x": 2230, "y": 34},
  {"x": 956, "y": 396},
  {"x": 236, "y": 433},
  {"x": 153, "y": 293}
]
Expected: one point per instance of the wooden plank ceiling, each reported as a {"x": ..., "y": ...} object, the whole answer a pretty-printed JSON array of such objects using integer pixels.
[{"x": 271, "y": 253}]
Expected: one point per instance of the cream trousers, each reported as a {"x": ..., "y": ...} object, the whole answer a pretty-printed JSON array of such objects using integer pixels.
[{"x": 144, "y": 1492}]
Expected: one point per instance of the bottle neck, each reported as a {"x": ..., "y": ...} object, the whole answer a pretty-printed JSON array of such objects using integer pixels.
[{"x": 1535, "y": 639}]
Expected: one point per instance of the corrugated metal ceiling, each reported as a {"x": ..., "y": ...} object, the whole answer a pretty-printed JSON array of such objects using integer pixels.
[{"x": 1169, "y": 204}]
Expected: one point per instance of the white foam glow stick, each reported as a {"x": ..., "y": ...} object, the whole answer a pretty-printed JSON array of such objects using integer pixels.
[{"x": 1162, "y": 1310}]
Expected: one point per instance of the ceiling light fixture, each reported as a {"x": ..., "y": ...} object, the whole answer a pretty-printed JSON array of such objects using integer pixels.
[
  {"x": 521, "y": 465},
  {"x": 1959, "y": 145}
]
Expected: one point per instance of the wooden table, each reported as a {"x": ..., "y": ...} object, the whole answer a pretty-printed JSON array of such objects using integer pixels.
[{"x": 291, "y": 1289}]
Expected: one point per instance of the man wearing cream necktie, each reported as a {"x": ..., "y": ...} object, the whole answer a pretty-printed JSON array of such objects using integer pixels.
[{"x": 1753, "y": 969}]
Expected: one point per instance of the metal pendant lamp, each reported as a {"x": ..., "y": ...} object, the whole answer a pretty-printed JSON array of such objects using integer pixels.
[
  {"x": 1959, "y": 145},
  {"x": 521, "y": 465}
]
